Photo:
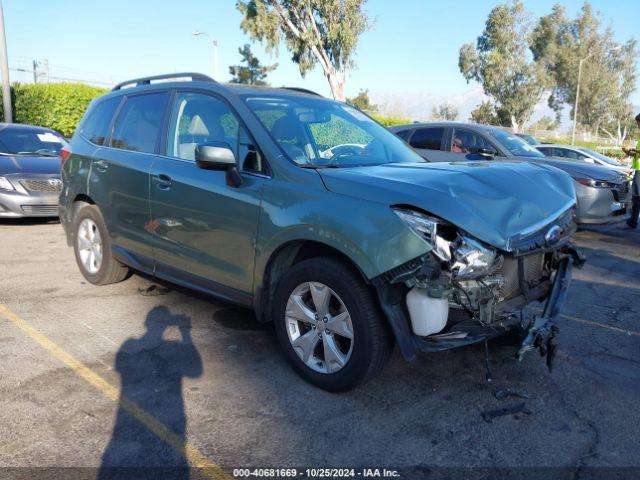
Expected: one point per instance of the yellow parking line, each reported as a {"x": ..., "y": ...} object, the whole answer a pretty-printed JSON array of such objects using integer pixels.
[
  {"x": 594, "y": 324},
  {"x": 189, "y": 452},
  {"x": 601, "y": 325}
]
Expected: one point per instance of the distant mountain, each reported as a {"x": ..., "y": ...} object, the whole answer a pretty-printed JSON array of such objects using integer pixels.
[{"x": 417, "y": 106}]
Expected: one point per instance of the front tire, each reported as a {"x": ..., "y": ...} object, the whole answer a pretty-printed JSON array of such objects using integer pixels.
[
  {"x": 92, "y": 247},
  {"x": 329, "y": 325}
]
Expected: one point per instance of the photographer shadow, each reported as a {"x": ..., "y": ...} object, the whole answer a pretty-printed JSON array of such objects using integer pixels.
[{"x": 151, "y": 370}]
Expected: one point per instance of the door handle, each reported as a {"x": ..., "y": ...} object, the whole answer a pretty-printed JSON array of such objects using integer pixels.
[
  {"x": 162, "y": 181},
  {"x": 101, "y": 165}
]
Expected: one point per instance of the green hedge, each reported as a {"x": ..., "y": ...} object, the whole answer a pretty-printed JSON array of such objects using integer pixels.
[
  {"x": 59, "y": 106},
  {"x": 391, "y": 121}
]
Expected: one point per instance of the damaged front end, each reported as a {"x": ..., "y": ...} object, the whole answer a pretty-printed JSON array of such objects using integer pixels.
[{"x": 464, "y": 291}]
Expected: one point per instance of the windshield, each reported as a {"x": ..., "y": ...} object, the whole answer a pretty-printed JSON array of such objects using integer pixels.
[
  {"x": 320, "y": 133},
  {"x": 599, "y": 156},
  {"x": 15, "y": 141},
  {"x": 515, "y": 144}
]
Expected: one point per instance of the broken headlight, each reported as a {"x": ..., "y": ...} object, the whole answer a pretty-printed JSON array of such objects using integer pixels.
[
  {"x": 436, "y": 232},
  {"x": 471, "y": 259},
  {"x": 465, "y": 257}
]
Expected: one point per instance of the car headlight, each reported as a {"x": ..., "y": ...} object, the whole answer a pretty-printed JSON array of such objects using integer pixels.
[
  {"x": 5, "y": 184},
  {"x": 471, "y": 259},
  {"x": 592, "y": 182},
  {"x": 429, "y": 229}
]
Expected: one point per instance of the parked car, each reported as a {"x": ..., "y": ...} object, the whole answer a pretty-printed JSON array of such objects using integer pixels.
[
  {"x": 583, "y": 154},
  {"x": 29, "y": 171},
  {"x": 318, "y": 218},
  {"x": 530, "y": 139},
  {"x": 603, "y": 195}
]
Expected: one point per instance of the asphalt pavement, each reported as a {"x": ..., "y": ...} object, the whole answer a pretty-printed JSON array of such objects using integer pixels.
[{"x": 140, "y": 374}]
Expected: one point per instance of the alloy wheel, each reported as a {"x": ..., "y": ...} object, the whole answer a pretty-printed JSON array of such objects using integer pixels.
[
  {"x": 319, "y": 327},
  {"x": 89, "y": 245}
]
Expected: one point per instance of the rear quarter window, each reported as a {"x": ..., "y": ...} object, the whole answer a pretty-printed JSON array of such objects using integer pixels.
[{"x": 96, "y": 126}]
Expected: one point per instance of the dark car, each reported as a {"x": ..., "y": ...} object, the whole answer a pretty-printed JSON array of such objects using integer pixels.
[
  {"x": 602, "y": 195},
  {"x": 29, "y": 171},
  {"x": 317, "y": 217}
]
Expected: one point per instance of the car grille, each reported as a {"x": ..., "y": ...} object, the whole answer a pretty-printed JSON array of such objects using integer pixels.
[
  {"x": 50, "y": 185},
  {"x": 622, "y": 193},
  {"x": 40, "y": 209}
]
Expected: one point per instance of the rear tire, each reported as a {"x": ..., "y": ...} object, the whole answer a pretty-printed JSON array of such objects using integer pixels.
[
  {"x": 92, "y": 247},
  {"x": 315, "y": 339}
]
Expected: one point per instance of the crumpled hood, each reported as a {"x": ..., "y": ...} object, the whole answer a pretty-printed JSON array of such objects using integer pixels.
[
  {"x": 28, "y": 164},
  {"x": 583, "y": 169},
  {"x": 493, "y": 201}
]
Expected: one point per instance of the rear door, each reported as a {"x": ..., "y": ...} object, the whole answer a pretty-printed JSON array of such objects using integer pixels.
[
  {"x": 428, "y": 141},
  {"x": 204, "y": 228},
  {"x": 119, "y": 182}
]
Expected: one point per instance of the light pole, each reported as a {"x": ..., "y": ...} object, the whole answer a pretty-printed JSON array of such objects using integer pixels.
[
  {"x": 4, "y": 67},
  {"x": 214, "y": 43},
  {"x": 575, "y": 107}
]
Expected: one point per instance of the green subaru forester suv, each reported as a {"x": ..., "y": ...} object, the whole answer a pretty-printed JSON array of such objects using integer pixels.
[{"x": 317, "y": 217}]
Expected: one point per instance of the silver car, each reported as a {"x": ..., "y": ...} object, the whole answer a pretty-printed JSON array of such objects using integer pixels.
[
  {"x": 603, "y": 195},
  {"x": 29, "y": 171},
  {"x": 582, "y": 154}
]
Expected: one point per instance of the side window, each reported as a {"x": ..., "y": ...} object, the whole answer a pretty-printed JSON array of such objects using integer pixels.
[
  {"x": 197, "y": 118},
  {"x": 573, "y": 155},
  {"x": 465, "y": 142},
  {"x": 96, "y": 127},
  {"x": 427, "y": 138},
  {"x": 559, "y": 152},
  {"x": 403, "y": 134},
  {"x": 545, "y": 150},
  {"x": 138, "y": 123}
]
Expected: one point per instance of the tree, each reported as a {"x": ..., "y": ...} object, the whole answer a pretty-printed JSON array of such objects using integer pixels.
[
  {"x": 561, "y": 45},
  {"x": 363, "y": 102},
  {"x": 316, "y": 32},
  {"x": 485, "y": 113},
  {"x": 252, "y": 73},
  {"x": 502, "y": 63},
  {"x": 444, "y": 111},
  {"x": 545, "y": 123}
]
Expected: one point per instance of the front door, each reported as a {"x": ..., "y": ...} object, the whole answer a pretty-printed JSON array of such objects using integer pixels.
[
  {"x": 204, "y": 229},
  {"x": 465, "y": 145}
]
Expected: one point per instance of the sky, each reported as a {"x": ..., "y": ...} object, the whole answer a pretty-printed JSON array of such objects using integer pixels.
[{"x": 412, "y": 46}]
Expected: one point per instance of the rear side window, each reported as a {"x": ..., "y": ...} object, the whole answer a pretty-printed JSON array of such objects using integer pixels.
[
  {"x": 403, "y": 134},
  {"x": 96, "y": 126},
  {"x": 138, "y": 123},
  {"x": 427, "y": 138}
]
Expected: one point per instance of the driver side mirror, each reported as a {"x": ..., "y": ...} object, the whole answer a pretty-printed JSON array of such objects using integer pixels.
[
  {"x": 487, "y": 153},
  {"x": 218, "y": 156}
]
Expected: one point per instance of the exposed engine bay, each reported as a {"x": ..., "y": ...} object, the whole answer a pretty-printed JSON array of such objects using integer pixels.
[{"x": 464, "y": 291}]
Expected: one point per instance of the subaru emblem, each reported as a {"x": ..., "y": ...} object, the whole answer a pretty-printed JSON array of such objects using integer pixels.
[{"x": 553, "y": 235}]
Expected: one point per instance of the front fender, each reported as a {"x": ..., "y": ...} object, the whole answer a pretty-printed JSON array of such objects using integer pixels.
[{"x": 368, "y": 233}]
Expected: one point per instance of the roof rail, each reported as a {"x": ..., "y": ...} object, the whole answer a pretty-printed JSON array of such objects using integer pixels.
[
  {"x": 302, "y": 90},
  {"x": 147, "y": 80}
]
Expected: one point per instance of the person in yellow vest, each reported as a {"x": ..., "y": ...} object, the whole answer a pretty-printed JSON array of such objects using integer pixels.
[{"x": 635, "y": 185}]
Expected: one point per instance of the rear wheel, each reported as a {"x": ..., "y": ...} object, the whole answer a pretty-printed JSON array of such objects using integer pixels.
[
  {"x": 329, "y": 325},
  {"x": 92, "y": 248}
]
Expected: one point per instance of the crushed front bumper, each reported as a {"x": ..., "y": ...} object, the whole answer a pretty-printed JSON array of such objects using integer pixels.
[{"x": 538, "y": 333}]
